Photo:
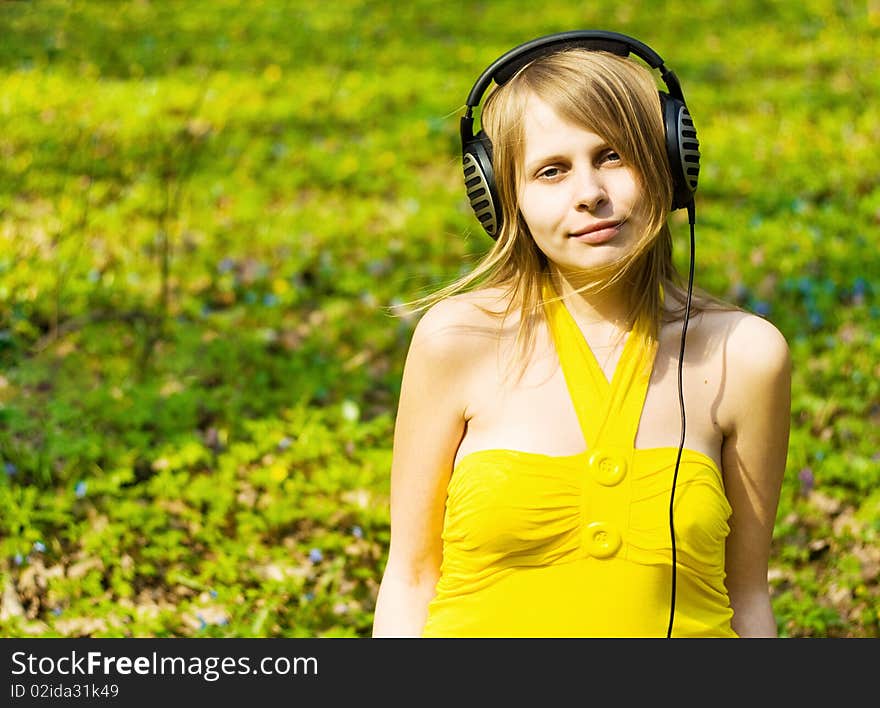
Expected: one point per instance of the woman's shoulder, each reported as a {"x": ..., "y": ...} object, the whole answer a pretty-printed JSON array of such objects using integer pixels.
[
  {"x": 734, "y": 358},
  {"x": 463, "y": 317},
  {"x": 456, "y": 337},
  {"x": 760, "y": 358},
  {"x": 753, "y": 344},
  {"x": 752, "y": 358},
  {"x": 743, "y": 338}
]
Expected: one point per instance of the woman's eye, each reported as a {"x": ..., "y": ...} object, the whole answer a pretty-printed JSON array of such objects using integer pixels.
[
  {"x": 549, "y": 173},
  {"x": 611, "y": 156}
]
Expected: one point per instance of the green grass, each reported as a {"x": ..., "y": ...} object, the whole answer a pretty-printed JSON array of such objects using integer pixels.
[{"x": 204, "y": 216}]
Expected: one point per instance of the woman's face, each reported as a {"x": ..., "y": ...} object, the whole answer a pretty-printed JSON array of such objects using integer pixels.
[{"x": 580, "y": 201}]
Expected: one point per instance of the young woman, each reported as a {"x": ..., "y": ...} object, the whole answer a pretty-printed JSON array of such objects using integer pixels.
[{"x": 538, "y": 477}]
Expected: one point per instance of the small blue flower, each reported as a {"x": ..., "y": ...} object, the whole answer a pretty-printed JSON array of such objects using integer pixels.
[
  {"x": 56, "y": 611},
  {"x": 226, "y": 265},
  {"x": 284, "y": 443},
  {"x": 816, "y": 320},
  {"x": 19, "y": 559},
  {"x": 213, "y": 593},
  {"x": 805, "y": 285},
  {"x": 10, "y": 469},
  {"x": 80, "y": 489},
  {"x": 378, "y": 267},
  {"x": 762, "y": 308},
  {"x": 807, "y": 480},
  {"x": 39, "y": 547},
  {"x": 202, "y": 623},
  {"x": 310, "y": 596},
  {"x": 860, "y": 285},
  {"x": 270, "y": 300},
  {"x": 315, "y": 555},
  {"x": 357, "y": 532}
]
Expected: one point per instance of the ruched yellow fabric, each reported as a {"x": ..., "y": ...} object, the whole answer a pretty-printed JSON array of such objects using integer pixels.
[{"x": 579, "y": 545}]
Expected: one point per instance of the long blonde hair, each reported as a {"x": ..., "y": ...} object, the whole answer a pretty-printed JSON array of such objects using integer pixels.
[{"x": 617, "y": 99}]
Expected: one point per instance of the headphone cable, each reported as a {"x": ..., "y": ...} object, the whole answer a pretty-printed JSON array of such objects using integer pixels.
[{"x": 691, "y": 209}]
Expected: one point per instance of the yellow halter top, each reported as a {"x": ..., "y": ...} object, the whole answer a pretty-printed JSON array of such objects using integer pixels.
[{"x": 578, "y": 545}]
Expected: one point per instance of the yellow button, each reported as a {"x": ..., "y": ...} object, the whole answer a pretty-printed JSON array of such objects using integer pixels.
[
  {"x": 603, "y": 539},
  {"x": 608, "y": 468}
]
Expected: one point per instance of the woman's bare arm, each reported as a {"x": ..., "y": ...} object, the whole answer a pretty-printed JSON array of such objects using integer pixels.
[
  {"x": 429, "y": 427},
  {"x": 753, "y": 460}
]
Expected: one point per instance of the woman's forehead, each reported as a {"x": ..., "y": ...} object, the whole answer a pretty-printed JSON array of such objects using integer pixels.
[{"x": 546, "y": 131}]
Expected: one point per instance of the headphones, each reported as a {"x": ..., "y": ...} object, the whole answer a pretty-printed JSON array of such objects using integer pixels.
[
  {"x": 682, "y": 151},
  {"x": 682, "y": 146}
]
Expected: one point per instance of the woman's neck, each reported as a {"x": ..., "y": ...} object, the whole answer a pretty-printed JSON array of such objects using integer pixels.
[{"x": 608, "y": 310}]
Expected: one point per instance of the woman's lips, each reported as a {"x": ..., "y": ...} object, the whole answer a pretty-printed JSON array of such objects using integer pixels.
[{"x": 600, "y": 235}]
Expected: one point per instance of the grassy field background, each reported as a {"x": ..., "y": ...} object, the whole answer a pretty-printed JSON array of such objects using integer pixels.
[{"x": 210, "y": 214}]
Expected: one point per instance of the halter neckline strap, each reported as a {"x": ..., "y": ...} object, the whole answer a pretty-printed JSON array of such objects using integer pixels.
[{"x": 608, "y": 411}]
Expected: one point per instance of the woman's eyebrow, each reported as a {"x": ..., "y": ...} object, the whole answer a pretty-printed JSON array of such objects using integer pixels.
[{"x": 541, "y": 161}]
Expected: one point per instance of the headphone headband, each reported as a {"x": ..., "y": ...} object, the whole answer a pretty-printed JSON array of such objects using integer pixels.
[{"x": 503, "y": 68}]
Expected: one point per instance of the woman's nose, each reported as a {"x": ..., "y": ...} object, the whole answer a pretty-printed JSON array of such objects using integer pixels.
[{"x": 590, "y": 193}]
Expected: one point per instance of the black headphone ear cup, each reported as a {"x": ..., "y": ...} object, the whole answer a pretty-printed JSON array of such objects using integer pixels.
[
  {"x": 682, "y": 150},
  {"x": 479, "y": 179}
]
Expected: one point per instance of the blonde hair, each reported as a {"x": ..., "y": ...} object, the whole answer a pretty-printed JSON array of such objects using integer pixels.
[{"x": 617, "y": 99}]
